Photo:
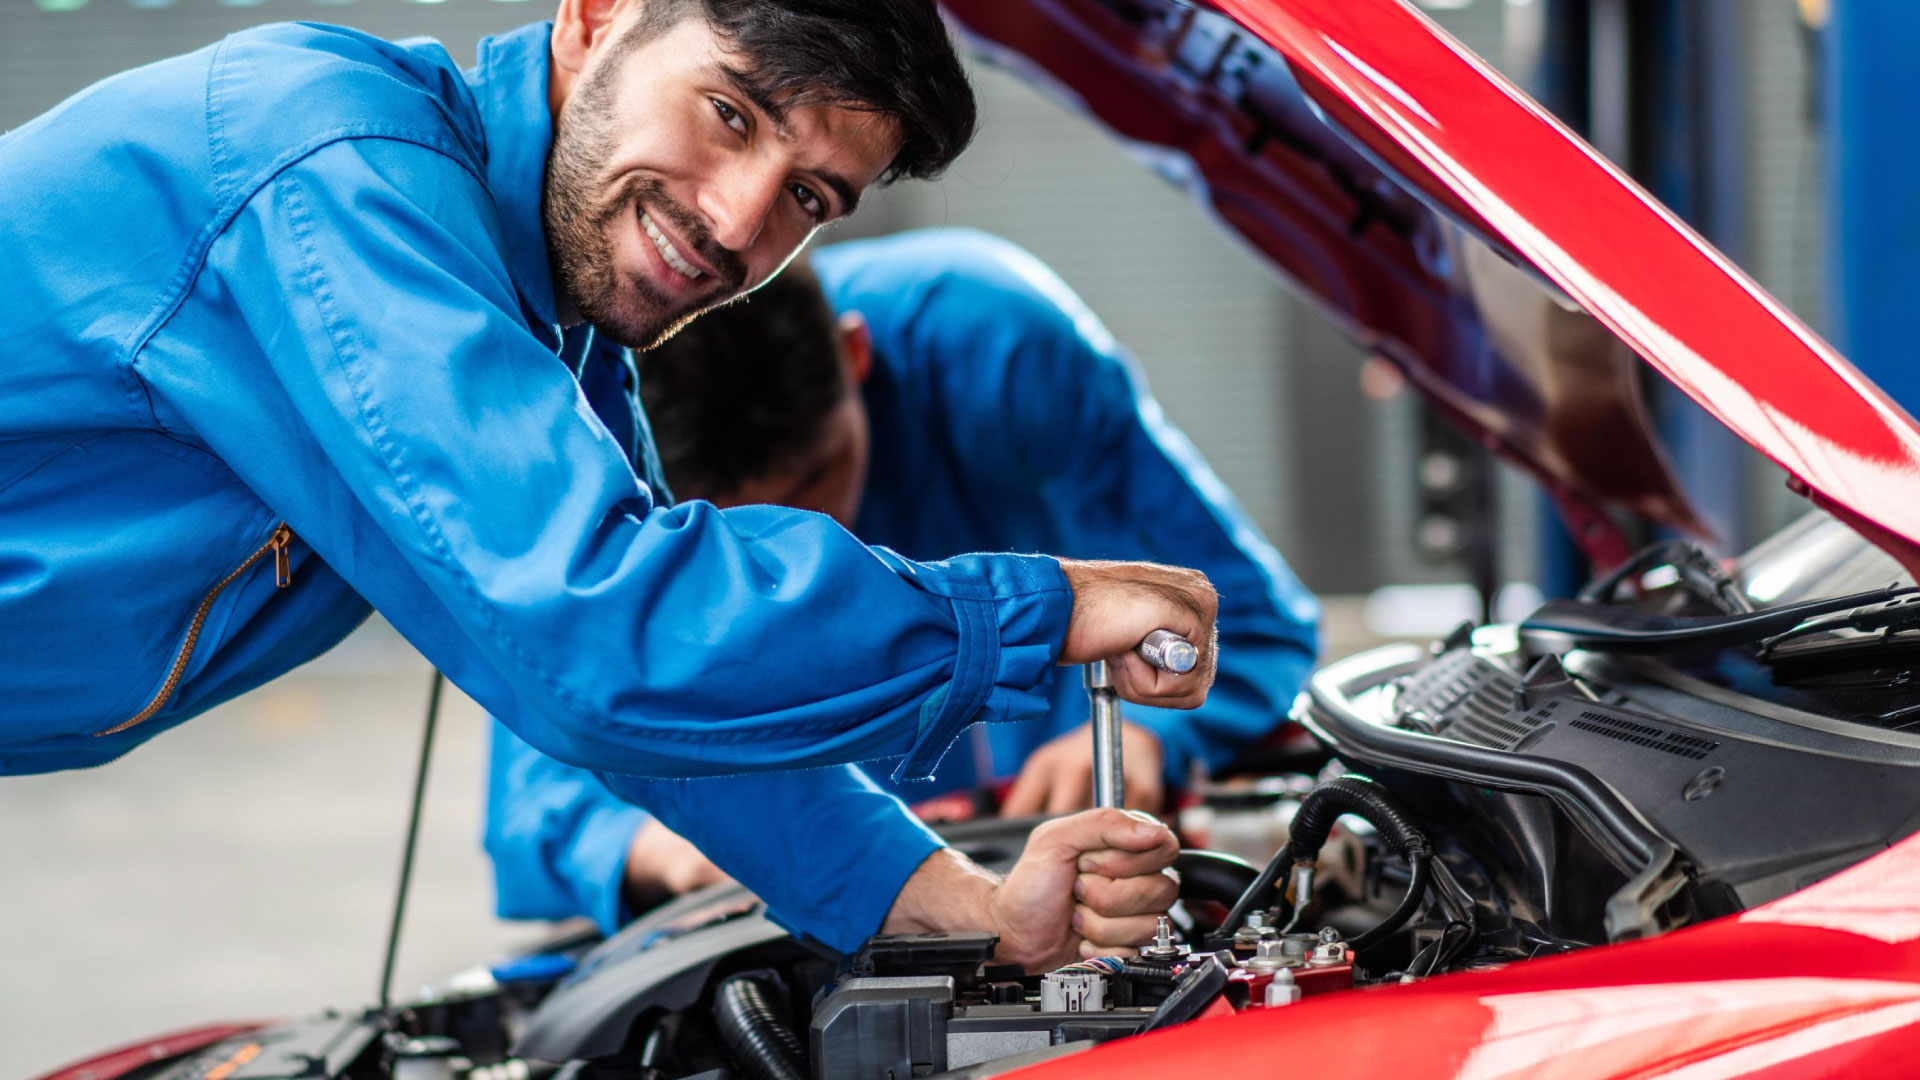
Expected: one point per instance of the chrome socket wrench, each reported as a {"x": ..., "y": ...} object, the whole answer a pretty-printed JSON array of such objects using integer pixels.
[{"x": 1163, "y": 649}]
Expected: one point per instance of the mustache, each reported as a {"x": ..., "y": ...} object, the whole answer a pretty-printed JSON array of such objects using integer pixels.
[{"x": 730, "y": 270}]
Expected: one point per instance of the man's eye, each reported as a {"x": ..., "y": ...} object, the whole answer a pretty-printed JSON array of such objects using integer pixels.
[
  {"x": 729, "y": 115},
  {"x": 815, "y": 207}
]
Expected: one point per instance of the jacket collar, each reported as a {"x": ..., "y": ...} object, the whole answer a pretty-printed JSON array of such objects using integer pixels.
[{"x": 509, "y": 84}]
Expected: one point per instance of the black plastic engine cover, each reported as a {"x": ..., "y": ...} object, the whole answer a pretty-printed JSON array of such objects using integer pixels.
[{"x": 1758, "y": 800}]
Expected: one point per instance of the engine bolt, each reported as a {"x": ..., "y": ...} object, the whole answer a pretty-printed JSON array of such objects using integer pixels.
[
  {"x": 1257, "y": 929},
  {"x": 1163, "y": 947},
  {"x": 1269, "y": 956}
]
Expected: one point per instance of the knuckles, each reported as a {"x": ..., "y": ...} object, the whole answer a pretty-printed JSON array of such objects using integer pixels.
[{"x": 1130, "y": 897}]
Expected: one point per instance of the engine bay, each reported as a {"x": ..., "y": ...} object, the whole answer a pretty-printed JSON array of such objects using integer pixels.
[{"x": 1609, "y": 769}]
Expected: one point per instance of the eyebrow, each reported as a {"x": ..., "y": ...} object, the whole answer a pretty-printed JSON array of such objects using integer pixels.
[
  {"x": 849, "y": 195},
  {"x": 776, "y": 111}
]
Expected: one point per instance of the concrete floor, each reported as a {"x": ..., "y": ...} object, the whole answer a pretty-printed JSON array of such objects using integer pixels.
[{"x": 244, "y": 864}]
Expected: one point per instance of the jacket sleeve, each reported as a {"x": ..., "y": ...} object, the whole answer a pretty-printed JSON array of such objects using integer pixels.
[
  {"x": 1121, "y": 482},
  {"x": 401, "y": 416},
  {"x": 557, "y": 837},
  {"x": 825, "y": 848}
]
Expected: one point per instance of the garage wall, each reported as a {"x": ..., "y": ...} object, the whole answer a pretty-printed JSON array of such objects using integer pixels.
[
  {"x": 51, "y": 48},
  {"x": 1786, "y": 178}
]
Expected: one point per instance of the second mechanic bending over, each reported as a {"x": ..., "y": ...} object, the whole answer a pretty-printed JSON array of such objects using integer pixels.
[{"x": 962, "y": 399}]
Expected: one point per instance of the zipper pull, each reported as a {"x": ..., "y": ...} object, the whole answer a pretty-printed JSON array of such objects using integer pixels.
[{"x": 282, "y": 562}]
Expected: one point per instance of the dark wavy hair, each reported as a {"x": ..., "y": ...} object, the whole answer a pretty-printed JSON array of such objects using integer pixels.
[
  {"x": 892, "y": 57},
  {"x": 745, "y": 386}
]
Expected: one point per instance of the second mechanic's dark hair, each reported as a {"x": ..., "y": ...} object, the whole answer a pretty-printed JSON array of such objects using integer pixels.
[
  {"x": 889, "y": 56},
  {"x": 743, "y": 388}
]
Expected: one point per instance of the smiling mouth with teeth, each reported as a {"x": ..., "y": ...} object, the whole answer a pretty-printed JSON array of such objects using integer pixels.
[{"x": 667, "y": 251}]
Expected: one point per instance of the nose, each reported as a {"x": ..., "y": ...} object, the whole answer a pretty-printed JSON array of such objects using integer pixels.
[{"x": 738, "y": 202}]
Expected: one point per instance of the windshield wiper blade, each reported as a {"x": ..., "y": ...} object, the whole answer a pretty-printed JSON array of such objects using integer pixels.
[{"x": 1563, "y": 624}]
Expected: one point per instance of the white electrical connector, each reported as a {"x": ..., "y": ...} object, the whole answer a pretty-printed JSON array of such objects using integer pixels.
[{"x": 1073, "y": 991}]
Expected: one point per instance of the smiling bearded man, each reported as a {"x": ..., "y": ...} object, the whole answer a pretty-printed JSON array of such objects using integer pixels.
[
  {"x": 719, "y": 187},
  {"x": 303, "y": 325}
]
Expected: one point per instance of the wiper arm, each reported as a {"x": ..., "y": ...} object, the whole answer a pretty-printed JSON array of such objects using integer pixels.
[
  {"x": 1563, "y": 624},
  {"x": 1901, "y": 612}
]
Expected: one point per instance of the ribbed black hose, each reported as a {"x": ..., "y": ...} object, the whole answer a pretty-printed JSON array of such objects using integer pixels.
[
  {"x": 762, "y": 1043},
  {"x": 1322, "y": 807}
]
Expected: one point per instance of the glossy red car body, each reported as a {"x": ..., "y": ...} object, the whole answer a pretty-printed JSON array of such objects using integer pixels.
[
  {"x": 135, "y": 1057},
  {"x": 1822, "y": 983}
]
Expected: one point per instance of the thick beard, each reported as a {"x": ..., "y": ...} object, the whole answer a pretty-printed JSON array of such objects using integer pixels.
[{"x": 579, "y": 227}]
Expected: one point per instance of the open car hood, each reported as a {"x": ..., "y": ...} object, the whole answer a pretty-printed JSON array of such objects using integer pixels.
[{"x": 1458, "y": 230}]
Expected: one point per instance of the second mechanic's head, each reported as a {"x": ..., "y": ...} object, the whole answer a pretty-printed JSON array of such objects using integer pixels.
[
  {"x": 697, "y": 144},
  {"x": 759, "y": 402}
]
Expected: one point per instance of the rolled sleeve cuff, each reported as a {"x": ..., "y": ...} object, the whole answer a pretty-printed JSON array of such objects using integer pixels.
[{"x": 1011, "y": 612}]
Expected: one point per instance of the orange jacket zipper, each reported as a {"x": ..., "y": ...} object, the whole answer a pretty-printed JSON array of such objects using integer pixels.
[{"x": 282, "y": 577}]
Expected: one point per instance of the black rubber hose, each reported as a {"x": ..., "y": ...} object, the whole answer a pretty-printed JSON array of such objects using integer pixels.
[
  {"x": 1416, "y": 890},
  {"x": 756, "y": 1032},
  {"x": 1262, "y": 886},
  {"x": 1360, "y": 796},
  {"x": 1213, "y": 875},
  {"x": 1322, "y": 807}
]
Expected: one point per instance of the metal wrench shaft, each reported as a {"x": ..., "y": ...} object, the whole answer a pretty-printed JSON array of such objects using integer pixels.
[{"x": 1163, "y": 649}]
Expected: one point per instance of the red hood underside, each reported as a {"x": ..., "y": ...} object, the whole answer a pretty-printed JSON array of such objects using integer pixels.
[{"x": 1459, "y": 231}]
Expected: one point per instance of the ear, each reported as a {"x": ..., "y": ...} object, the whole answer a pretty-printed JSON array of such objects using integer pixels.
[
  {"x": 856, "y": 344},
  {"x": 580, "y": 29}
]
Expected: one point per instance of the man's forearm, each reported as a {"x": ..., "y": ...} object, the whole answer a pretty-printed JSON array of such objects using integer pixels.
[{"x": 947, "y": 892}]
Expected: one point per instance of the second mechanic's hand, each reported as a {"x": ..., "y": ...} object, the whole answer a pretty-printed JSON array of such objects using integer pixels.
[
  {"x": 662, "y": 864},
  {"x": 1117, "y": 604},
  {"x": 1058, "y": 776},
  {"x": 1087, "y": 885}
]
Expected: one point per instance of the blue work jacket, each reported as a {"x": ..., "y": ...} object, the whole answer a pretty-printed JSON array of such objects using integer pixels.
[
  {"x": 284, "y": 346},
  {"x": 1003, "y": 416}
]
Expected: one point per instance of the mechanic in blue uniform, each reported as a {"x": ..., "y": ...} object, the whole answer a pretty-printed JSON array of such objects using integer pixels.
[
  {"x": 308, "y": 324},
  {"x": 963, "y": 399}
]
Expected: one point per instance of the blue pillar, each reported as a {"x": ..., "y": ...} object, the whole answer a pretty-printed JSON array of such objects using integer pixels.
[
  {"x": 1873, "y": 189},
  {"x": 1696, "y": 162}
]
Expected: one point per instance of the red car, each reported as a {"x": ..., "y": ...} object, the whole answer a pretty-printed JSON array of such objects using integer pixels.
[{"x": 1659, "y": 829}]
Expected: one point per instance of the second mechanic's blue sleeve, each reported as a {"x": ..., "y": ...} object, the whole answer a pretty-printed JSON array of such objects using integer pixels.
[
  {"x": 557, "y": 837},
  {"x": 1170, "y": 507},
  {"x": 1045, "y": 396},
  {"x": 826, "y": 849}
]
